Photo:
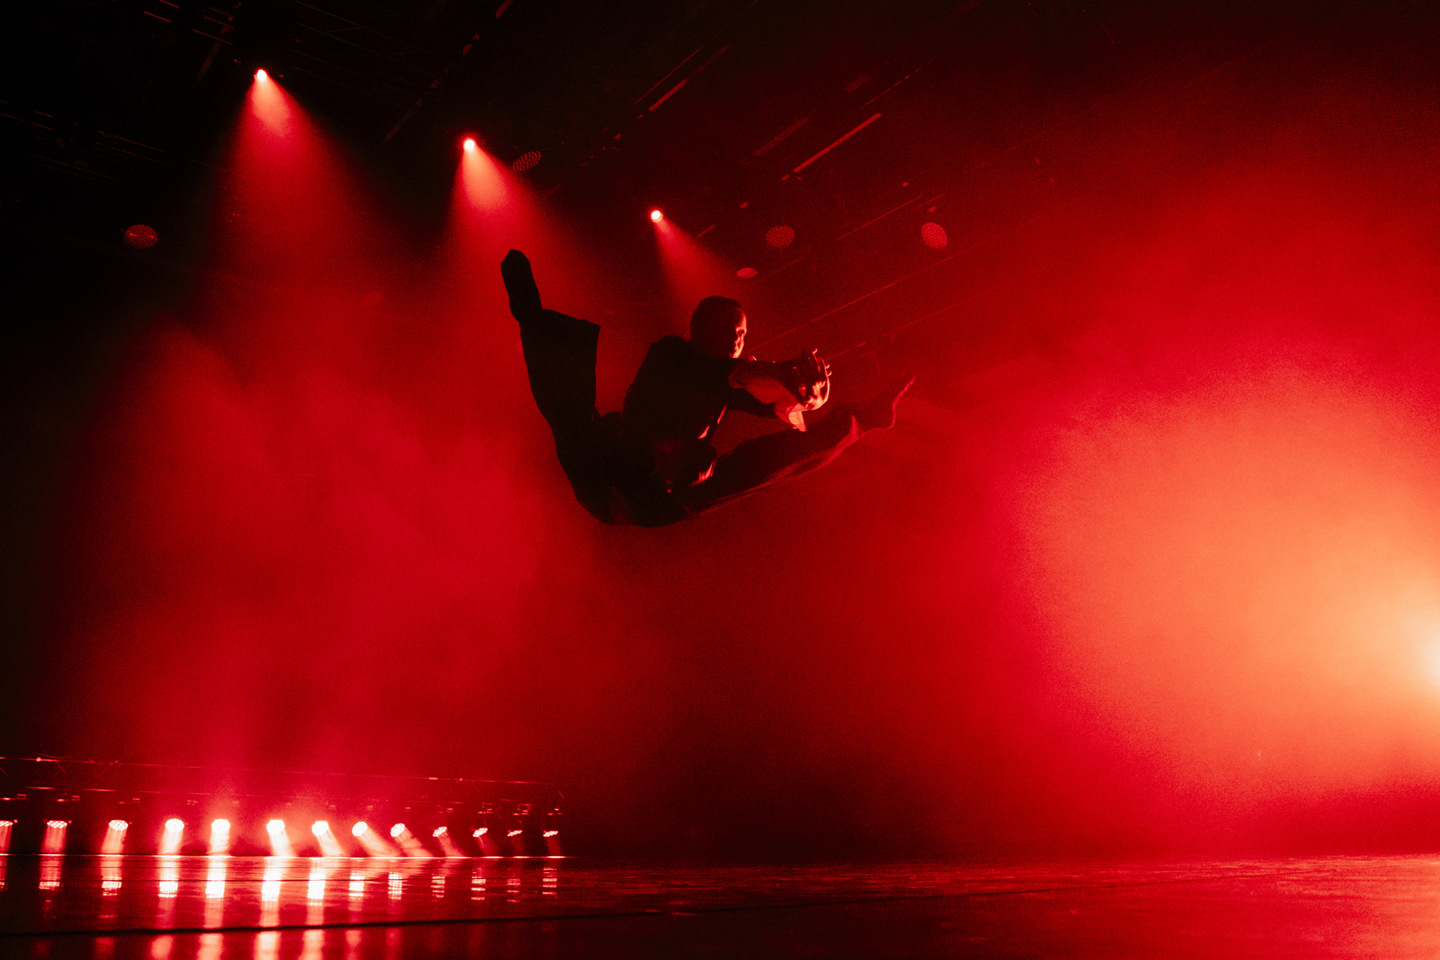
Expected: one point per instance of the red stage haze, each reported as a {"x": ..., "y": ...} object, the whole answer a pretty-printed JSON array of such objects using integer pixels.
[{"x": 1153, "y": 558}]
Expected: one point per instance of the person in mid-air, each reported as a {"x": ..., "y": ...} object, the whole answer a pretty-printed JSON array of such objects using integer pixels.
[{"x": 652, "y": 462}]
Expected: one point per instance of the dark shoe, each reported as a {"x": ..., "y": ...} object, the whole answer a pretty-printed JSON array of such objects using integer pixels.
[{"x": 520, "y": 285}]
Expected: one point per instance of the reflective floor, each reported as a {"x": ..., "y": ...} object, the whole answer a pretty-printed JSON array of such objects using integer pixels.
[{"x": 162, "y": 907}]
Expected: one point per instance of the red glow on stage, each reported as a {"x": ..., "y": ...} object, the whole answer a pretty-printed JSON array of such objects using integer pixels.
[
  {"x": 492, "y": 210},
  {"x": 171, "y": 839},
  {"x": 484, "y": 183},
  {"x": 54, "y": 841},
  {"x": 447, "y": 846},
  {"x": 374, "y": 844},
  {"x": 691, "y": 271},
  {"x": 409, "y": 845},
  {"x": 329, "y": 845},
  {"x": 1262, "y": 560},
  {"x": 337, "y": 445},
  {"x": 114, "y": 841},
  {"x": 280, "y": 845},
  {"x": 219, "y": 837},
  {"x": 272, "y": 107},
  {"x": 1158, "y": 538}
]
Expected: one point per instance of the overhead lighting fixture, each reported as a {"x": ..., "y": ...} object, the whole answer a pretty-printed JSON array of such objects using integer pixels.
[
  {"x": 141, "y": 237},
  {"x": 779, "y": 237}
]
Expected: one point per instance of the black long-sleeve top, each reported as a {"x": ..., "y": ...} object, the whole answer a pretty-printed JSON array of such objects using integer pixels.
[{"x": 680, "y": 394}]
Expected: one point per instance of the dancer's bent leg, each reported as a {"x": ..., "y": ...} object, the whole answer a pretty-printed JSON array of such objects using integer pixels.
[{"x": 775, "y": 457}]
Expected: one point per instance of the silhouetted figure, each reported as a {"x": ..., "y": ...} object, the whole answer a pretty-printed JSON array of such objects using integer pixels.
[{"x": 652, "y": 463}]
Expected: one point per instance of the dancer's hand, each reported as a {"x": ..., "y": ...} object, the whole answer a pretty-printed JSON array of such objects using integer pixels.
[
  {"x": 791, "y": 388},
  {"x": 812, "y": 380}
]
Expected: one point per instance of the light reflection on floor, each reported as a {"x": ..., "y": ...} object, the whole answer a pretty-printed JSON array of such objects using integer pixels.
[
  {"x": 178, "y": 908},
  {"x": 65, "y": 893}
]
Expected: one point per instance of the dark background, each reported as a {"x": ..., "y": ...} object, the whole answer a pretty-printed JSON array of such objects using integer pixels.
[{"x": 1149, "y": 564}]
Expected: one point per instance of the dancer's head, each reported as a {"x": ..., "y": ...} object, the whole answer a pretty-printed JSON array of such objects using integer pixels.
[{"x": 717, "y": 327}]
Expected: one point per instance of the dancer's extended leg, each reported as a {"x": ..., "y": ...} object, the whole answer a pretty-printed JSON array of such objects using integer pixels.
[
  {"x": 560, "y": 353},
  {"x": 765, "y": 461}
]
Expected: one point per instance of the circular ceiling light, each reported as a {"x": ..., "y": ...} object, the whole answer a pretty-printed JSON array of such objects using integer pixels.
[
  {"x": 779, "y": 237},
  {"x": 141, "y": 237}
]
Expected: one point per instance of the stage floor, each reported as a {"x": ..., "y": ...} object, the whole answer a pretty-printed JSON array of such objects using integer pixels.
[{"x": 171, "y": 908}]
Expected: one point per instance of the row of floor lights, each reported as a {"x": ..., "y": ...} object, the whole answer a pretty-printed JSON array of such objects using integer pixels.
[{"x": 280, "y": 844}]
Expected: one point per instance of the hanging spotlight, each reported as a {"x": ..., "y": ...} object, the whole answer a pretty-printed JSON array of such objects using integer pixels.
[
  {"x": 261, "y": 76},
  {"x": 219, "y": 837},
  {"x": 656, "y": 215},
  {"x": 470, "y": 145}
]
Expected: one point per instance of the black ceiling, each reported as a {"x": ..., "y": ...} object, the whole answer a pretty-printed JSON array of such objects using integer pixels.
[{"x": 841, "y": 120}]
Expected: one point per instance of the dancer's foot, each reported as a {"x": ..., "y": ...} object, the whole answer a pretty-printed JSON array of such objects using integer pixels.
[
  {"x": 879, "y": 413},
  {"x": 520, "y": 285}
]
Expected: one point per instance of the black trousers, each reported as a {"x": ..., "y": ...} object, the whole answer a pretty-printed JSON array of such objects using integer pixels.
[{"x": 615, "y": 480}]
